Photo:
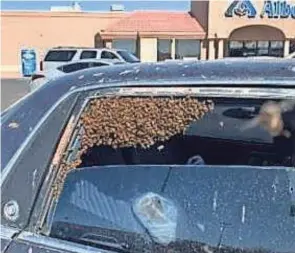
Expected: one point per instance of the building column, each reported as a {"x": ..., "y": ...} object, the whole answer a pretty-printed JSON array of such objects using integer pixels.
[
  {"x": 211, "y": 50},
  {"x": 173, "y": 49},
  {"x": 226, "y": 50},
  {"x": 287, "y": 47},
  {"x": 203, "y": 53},
  {"x": 220, "y": 49},
  {"x": 148, "y": 49}
]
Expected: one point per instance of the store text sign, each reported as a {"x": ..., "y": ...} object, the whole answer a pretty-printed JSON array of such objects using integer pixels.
[{"x": 270, "y": 9}]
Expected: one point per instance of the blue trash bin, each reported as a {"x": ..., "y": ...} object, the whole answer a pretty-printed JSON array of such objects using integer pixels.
[{"x": 28, "y": 57}]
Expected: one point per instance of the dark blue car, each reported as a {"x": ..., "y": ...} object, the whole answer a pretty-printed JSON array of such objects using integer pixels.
[{"x": 166, "y": 157}]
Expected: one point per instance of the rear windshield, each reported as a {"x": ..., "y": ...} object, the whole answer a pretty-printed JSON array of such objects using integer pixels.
[
  {"x": 176, "y": 174},
  {"x": 69, "y": 68},
  {"x": 60, "y": 55}
]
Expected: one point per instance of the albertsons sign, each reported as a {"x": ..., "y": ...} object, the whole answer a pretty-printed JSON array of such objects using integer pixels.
[{"x": 271, "y": 9}]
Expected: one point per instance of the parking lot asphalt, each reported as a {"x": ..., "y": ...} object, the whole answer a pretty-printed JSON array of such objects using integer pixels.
[{"x": 12, "y": 90}]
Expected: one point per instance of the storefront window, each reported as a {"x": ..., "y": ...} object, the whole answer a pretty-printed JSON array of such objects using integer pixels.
[
  {"x": 276, "y": 48},
  {"x": 164, "y": 49},
  {"x": 256, "y": 48},
  {"x": 187, "y": 48},
  {"x": 263, "y": 48},
  {"x": 236, "y": 49},
  {"x": 250, "y": 48},
  {"x": 126, "y": 44},
  {"x": 292, "y": 46}
]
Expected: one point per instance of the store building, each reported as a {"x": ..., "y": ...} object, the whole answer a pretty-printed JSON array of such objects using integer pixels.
[
  {"x": 212, "y": 29},
  {"x": 247, "y": 28}
]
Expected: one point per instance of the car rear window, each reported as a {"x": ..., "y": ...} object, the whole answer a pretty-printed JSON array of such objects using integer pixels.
[
  {"x": 128, "y": 57},
  {"x": 74, "y": 67},
  {"x": 60, "y": 55},
  {"x": 97, "y": 64}
]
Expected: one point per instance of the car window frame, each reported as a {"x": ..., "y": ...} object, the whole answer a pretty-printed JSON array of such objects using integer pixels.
[
  {"x": 93, "y": 51},
  {"x": 42, "y": 242},
  {"x": 26, "y": 172},
  {"x": 89, "y": 97}
]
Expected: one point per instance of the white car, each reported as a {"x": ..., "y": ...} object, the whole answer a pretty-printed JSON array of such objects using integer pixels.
[
  {"x": 40, "y": 78},
  {"x": 291, "y": 56},
  {"x": 61, "y": 55}
]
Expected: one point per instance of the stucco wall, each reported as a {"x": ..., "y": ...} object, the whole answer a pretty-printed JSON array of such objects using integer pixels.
[
  {"x": 44, "y": 30},
  {"x": 199, "y": 9},
  {"x": 223, "y": 26},
  {"x": 257, "y": 33}
]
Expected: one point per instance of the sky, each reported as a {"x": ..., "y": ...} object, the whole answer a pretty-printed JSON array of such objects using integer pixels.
[{"x": 102, "y": 5}]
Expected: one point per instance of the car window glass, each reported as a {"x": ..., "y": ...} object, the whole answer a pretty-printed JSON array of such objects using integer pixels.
[
  {"x": 97, "y": 64},
  {"x": 60, "y": 55},
  {"x": 108, "y": 55},
  {"x": 88, "y": 54},
  {"x": 96, "y": 202},
  {"x": 74, "y": 67},
  {"x": 128, "y": 57}
]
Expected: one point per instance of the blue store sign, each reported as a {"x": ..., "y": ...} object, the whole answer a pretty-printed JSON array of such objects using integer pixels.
[{"x": 271, "y": 9}]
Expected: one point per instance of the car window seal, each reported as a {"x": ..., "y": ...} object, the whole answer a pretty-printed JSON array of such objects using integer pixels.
[{"x": 49, "y": 204}]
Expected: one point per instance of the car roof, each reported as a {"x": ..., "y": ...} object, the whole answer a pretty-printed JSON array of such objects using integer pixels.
[
  {"x": 85, "y": 48},
  {"x": 238, "y": 72},
  {"x": 225, "y": 71},
  {"x": 106, "y": 61}
]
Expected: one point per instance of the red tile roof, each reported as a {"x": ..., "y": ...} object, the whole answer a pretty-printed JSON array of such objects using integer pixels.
[{"x": 157, "y": 22}]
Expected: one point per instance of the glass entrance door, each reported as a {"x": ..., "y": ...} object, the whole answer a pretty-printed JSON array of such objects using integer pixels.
[{"x": 255, "y": 48}]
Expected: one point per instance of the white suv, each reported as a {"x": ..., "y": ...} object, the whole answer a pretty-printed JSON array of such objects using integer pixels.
[
  {"x": 42, "y": 77},
  {"x": 61, "y": 55}
]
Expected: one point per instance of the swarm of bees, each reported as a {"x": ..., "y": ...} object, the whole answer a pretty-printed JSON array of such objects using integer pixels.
[
  {"x": 138, "y": 122},
  {"x": 133, "y": 122}
]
